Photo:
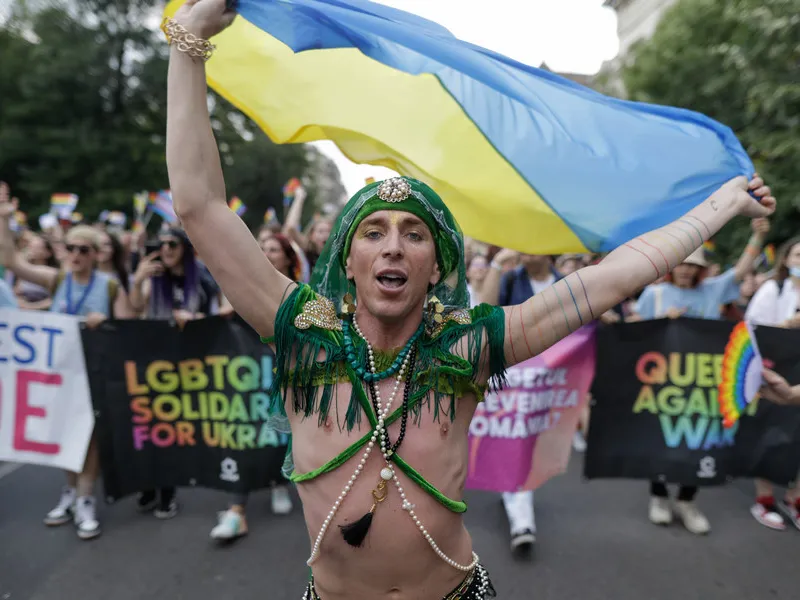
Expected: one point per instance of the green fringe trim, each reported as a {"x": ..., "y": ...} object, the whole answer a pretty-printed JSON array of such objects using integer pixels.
[
  {"x": 447, "y": 368},
  {"x": 439, "y": 370}
]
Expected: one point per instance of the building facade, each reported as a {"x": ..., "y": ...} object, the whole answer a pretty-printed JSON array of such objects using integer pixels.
[{"x": 636, "y": 20}]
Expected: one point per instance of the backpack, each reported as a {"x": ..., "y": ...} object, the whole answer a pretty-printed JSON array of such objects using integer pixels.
[{"x": 113, "y": 290}]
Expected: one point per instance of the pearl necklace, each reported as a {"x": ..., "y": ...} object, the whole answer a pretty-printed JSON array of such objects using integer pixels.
[{"x": 388, "y": 472}]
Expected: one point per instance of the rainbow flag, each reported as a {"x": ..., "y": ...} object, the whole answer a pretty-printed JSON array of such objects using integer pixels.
[
  {"x": 140, "y": 202},
  {"x": 524, "y": 158},
  {"x": 769, "y": 255},
  {"x": 63, "y": 205},
  {"x": 742, "y": 366},
  {"x": 290, "y": 189},
  {"x": 237, "y": 206},
  {"x": 161, "y": 204},
  {"x": 270, "y": 216},
  {"x": 18, "y": 221},
  {"x": 710, "y": 248}
]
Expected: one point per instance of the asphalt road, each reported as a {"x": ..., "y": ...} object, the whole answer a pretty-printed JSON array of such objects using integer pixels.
[{"x": 595, "y": 543}]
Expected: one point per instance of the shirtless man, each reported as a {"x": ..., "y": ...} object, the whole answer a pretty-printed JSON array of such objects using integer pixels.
[{"x": 387, "y": 522}]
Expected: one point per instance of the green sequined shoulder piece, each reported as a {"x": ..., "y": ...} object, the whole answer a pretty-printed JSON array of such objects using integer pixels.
[{"x": 307, "y": 329}]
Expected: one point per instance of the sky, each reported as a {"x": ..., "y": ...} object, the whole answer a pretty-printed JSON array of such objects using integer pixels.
[{"x": 575, "y": 36}]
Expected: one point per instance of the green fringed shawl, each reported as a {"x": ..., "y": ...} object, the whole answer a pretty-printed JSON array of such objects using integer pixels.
[{"x": 439, "y": 374}]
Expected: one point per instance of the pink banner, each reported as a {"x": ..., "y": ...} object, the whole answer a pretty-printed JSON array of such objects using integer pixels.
[{"x": 522, "y": 435}]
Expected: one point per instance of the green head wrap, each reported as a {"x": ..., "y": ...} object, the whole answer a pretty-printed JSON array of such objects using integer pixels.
[{"x": 403, "y": 194}]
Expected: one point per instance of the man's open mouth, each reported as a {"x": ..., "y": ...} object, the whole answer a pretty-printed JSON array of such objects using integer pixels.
[{"x": 392, "y": 279}]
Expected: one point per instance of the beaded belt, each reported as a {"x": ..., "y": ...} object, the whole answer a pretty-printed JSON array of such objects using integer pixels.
[{"x": 476, "y": 586}]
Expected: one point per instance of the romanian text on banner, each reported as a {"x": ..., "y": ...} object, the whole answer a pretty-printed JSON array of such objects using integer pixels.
[{"x": 521, "y": 436}]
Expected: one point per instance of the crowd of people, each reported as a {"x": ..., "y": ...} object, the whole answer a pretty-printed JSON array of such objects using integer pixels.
[{"x": 100, "y": 271}]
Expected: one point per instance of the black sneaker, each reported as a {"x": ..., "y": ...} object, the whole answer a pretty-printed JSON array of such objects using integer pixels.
[
  {"x": 523, "y": 541},
  {"x": 146, "y": 501},
  {"x": 167, "y": 505}
]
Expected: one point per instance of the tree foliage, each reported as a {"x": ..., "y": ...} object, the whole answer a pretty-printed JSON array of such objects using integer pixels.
[
  {"x": 83, "y": 110},
  {"x": 738, "y": 62}
]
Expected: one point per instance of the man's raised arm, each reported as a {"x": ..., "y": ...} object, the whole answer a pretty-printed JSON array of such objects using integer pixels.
[
  {"x": 247, "y": 278},
  {"x": 580, "y": 298}
]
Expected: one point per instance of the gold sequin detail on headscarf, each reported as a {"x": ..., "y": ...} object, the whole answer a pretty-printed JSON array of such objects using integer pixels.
[{"x": 319, "y": 313}]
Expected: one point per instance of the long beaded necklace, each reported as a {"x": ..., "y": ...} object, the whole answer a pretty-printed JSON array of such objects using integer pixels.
[{"x": 380, "y": 434}]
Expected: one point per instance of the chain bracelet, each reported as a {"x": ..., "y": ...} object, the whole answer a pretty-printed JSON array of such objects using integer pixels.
[{"x": 184, "y": 41}]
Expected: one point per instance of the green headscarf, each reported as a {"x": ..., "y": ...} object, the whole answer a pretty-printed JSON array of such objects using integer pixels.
[{"x": 411, "y": 196}]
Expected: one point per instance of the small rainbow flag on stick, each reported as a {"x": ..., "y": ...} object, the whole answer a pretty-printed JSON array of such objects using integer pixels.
[
  {"x": 237, "y": 206},
  {"x": 769, "y": 254},
  {"x": 741, "y": 373},
  {"x": 140, "y": 203},
  {"x": 18, "y": 221},
  {"x": 290, "y": 189},
  {"x": 270, "y": 216},
  {"x": 63, "y": 205},
  {"x": 161, "y": 204}
]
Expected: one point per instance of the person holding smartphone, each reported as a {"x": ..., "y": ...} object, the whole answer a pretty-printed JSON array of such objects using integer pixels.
[{"x": 171, "y": 284}]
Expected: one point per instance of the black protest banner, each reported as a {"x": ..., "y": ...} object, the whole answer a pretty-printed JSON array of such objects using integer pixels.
[
  {"x": 183, "y": 408},
  {"x": 656, "y": 415}
]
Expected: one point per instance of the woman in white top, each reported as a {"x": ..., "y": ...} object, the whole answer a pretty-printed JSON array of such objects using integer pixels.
[{"x": 777, "y": 304}]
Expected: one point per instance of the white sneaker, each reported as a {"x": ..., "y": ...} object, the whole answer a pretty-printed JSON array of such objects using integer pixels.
[
  {"x": 281, "y": 500},
  {"x": 63, "y": 511},
  {"x": 230, "y": 525},
  {"x": 578, "y": 442},
  {"x": 522, "y": 540},
  {"x": 693, "y": 519},
  {"x": 86, "y": 518},
  {"x": 660, "y": 511},
  {"x": 768, "y": 517}
]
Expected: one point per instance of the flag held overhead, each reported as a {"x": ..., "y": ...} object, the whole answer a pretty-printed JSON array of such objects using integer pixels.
[{"x": 524, "y": 158}]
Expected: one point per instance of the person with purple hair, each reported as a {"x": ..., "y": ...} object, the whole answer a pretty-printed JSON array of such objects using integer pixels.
[{"x": 171, "y": 284}]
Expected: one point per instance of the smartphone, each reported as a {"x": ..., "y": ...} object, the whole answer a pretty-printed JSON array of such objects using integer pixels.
[{"x": 152, "y": 246}]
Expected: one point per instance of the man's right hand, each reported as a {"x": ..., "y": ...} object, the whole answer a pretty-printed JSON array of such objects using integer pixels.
[
  {"x": 148, "y": 267},
  {"x": 7, "y": 205},
  {"x": 205, "y": 18}
]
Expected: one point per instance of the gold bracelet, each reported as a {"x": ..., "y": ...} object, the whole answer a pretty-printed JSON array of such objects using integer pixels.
[{"x": 187, "y": 42}]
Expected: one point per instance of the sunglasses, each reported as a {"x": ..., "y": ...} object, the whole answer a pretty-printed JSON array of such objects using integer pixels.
[
  {"x": 171, "y": 244},
  {"x": 84, "y": 250}
]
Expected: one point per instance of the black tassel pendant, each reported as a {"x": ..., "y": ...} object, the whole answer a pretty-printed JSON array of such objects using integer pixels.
[{"x": 355, "y": 533}]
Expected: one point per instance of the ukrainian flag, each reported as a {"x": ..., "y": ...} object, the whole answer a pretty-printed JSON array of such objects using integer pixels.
[{"x": 524, "y": 158}]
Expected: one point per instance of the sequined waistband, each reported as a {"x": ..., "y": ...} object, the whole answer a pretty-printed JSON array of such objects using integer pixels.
[{"x": 476, "y": 586}]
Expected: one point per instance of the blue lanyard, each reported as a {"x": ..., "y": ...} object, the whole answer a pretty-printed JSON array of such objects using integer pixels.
[{"x": 70, "y": 310}]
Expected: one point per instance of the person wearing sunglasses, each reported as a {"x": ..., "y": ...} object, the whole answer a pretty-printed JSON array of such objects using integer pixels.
[
  {"x": 78, "y": 289},
  {"x": 171, "y": 284}
]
